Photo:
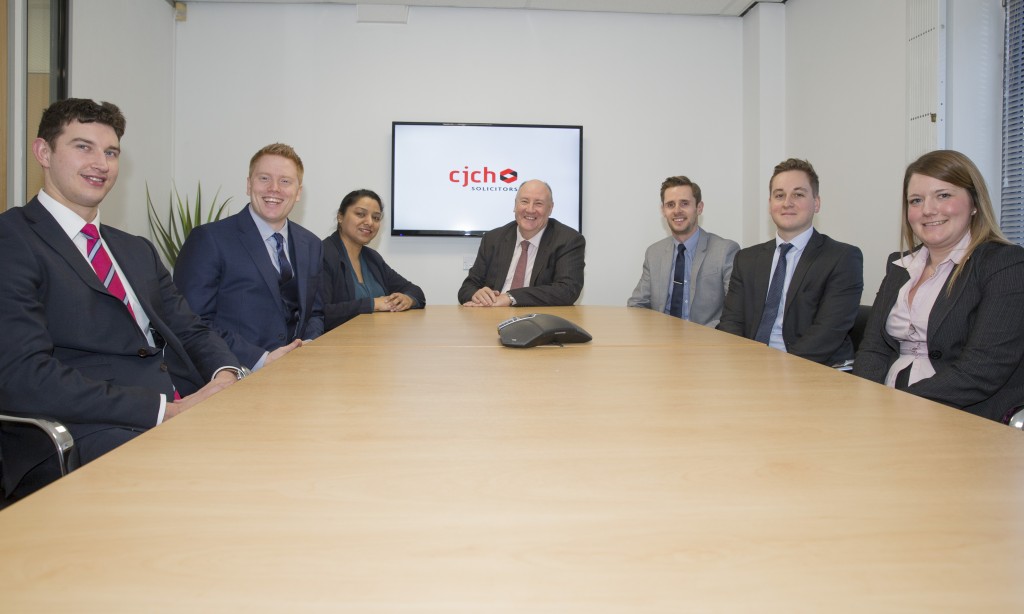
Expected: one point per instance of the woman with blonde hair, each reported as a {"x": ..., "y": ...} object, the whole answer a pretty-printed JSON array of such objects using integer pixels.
[{"x": 948, "y": 321}]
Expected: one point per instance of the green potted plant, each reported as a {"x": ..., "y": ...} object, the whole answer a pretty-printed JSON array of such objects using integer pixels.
[{"x": 182, "y": 217}]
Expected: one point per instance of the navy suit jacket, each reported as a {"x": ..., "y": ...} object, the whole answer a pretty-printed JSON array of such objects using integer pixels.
[
  {"x": 225, "y": 272},
  {"x": 975, "y": 334},
  {"x": 72, "y": 351},
  {"x": 339, "y": 291},
  {"x": 821, "y": 304},
  {"x": 557, "y": 277}
]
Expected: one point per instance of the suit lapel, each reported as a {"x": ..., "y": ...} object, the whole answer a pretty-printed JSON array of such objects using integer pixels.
[
  {"x": 252, "y": 242},
  {"x": 303, "y": 258},
  {"x": 762, "y": 276},
  {"x": 698, "y": 259},
  {"x": 543, "y": 253},
  {"x": 803, "y": 265},
  {"x": 47, "y": 228},
  {"x": 944, "y": 302}
]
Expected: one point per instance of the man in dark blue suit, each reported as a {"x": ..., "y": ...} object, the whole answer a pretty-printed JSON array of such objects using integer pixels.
[
  {"x": 94, "y": 332},
  {"x": 799, "y": 292},
  {"x": 255, "y": 276}
]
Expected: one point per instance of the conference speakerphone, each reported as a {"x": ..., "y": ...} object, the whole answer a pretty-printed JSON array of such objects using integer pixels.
[{"x": 540, "y": 329}]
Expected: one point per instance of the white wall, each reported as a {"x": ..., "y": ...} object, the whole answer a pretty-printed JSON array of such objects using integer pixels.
[
  {"x": 122, "y": 51},
  {"x": 657, "y": 96},
  {"x": 845, "y": 104}
]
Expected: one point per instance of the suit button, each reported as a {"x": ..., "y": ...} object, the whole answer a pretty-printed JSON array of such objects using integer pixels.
[
  {"x": 143, "y": 352},
  {"x": 935, "y": 354},
  {"x": 280, "y": 337},
  {"x": 163, "y": 367}
]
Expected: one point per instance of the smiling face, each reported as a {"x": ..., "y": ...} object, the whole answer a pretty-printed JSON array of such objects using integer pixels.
[
  {"x": 80, "y": 168},
  {"x": 273, "y": 188},
  {"x": 360, "y": 222},
  {"x": 533, "y": 208},
  {"x": 681, "y": 211},
  {"x": 792, "y": 203},
  {"x": 939, "y": 213}
]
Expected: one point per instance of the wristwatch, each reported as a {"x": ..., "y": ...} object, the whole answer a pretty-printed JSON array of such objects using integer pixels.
[
  {"x": 240, "y": 372},
  {"x": 511, "y": 299}
]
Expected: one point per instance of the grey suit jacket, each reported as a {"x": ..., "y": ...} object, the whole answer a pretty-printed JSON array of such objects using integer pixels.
[
  {"x": 709, "y": 277},
  {"x": 225, "y": 272},
  {"x": 71, "y": 350},
  {"x": 821, "y": 304},
  {"x": 975, "y": 334},
  {"x": 557, "y": 277}
]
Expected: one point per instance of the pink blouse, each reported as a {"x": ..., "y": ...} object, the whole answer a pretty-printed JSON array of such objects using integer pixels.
[{"x": 908, "y": 322}]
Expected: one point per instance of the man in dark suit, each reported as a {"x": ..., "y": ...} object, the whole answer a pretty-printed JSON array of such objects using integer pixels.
[
  {"x": 532, "y": 261},
  {"x": 95, "y": 333},
  {"x": 255, "y": 276},
  {"x": 687, "y": 274},
  {"x": 800, "y": 291}
]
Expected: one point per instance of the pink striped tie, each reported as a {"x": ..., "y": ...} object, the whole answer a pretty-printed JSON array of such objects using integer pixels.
[{"x": 104, "y": 266}]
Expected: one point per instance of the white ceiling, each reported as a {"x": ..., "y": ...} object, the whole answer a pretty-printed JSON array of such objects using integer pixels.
[{"x": 666, "y": 7}]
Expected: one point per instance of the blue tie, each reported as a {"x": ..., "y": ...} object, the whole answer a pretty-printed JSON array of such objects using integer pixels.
[
  {"x": 678, "y": 283},
  {"x": 771, "y": 304},
  {"x": 282, "y": 259}
]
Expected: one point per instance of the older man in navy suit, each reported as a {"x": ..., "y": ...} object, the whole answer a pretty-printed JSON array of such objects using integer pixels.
[
  {"x": 532, "y": 261},
  {"x": 94, "y": 332},
  {"x": 255, "y": 276}
]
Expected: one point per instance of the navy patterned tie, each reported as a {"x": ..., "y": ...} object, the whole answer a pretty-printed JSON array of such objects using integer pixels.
[
  {"x": 678, "y": 283},
  {"x": 282, "y": 259},
  {"x": 771, "y": 304}
]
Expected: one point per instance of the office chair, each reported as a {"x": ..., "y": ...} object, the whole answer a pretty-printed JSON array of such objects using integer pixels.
[
  {"x": 857, "y": 332},
  {"x": 67, "y": 454},
  {"x": 1017, "y": 417}
]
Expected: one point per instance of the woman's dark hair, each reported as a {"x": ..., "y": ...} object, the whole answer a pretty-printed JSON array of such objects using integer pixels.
[{"x": 352, "y": 197}]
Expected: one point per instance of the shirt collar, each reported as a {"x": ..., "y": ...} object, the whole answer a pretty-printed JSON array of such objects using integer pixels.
[
  {"x": 956, "y": 255},
  {"x": 265, "y": 230},
  {"x": 534, "y": 240},
  {"x": 798, "y": 242},
  {"x": 690, "y": 242},
  {"x": 69, "y": 221}
]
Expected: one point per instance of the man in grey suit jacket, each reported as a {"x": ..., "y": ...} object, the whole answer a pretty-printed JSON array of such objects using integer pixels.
[
  {"x": 255, "y": 276},
  {"x": 799, "y": 292},
  {"x": 699, "y": 285},
  {"x": 109, "y": 357},
  {"x": 532, "y": 261}
]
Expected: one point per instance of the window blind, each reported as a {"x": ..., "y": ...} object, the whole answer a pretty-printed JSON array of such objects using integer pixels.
[{"x": 1012, "y": 206}]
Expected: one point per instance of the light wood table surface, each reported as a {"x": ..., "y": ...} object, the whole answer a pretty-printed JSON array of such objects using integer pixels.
[{"x": 704, "y": 474}]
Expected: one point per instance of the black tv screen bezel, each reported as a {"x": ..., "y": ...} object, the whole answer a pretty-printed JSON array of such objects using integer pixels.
[{"x": 396, "y": 232}]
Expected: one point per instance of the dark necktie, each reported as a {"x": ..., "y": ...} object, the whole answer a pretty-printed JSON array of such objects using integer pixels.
[
  {"x": 519, "y": 277},
  {"x": 678, "y": 283},
  {"x": 104, "y": 266},
  {"x": 771, "y": 304},
  {"x": 282, "y": 259}
]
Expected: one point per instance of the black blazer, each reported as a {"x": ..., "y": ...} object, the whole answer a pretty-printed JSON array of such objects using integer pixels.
[
  {"x": 557, "y": 277},
  {"x": 72, "y": 351},
  {"x": 340, "y": 304},
  {"x": 975, "y": 334},
  {"x": 821, "y": 304}
]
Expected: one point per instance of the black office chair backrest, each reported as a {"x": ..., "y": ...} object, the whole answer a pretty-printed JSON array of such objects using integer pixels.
[{"x": 857, "y": 332}]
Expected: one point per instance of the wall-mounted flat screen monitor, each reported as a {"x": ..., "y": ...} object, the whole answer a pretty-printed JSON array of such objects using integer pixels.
[{"x": 461, "y": 179}]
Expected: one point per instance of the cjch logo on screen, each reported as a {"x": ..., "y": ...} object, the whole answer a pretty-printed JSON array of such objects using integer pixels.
[{"x": 479, "y": 179}]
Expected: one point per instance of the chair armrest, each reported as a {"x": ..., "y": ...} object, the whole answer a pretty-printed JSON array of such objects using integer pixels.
[
  {"x": 1017, "y": 417},
  {"x": 67, "y": 455}
]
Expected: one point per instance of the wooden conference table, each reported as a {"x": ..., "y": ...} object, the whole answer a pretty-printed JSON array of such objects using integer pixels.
[{"x": 408, "y": 462}]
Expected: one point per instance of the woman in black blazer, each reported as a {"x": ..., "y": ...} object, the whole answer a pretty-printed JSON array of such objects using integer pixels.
[
  {"x": 948, "y": 321},
  {"x": 356, "y": 278}
]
